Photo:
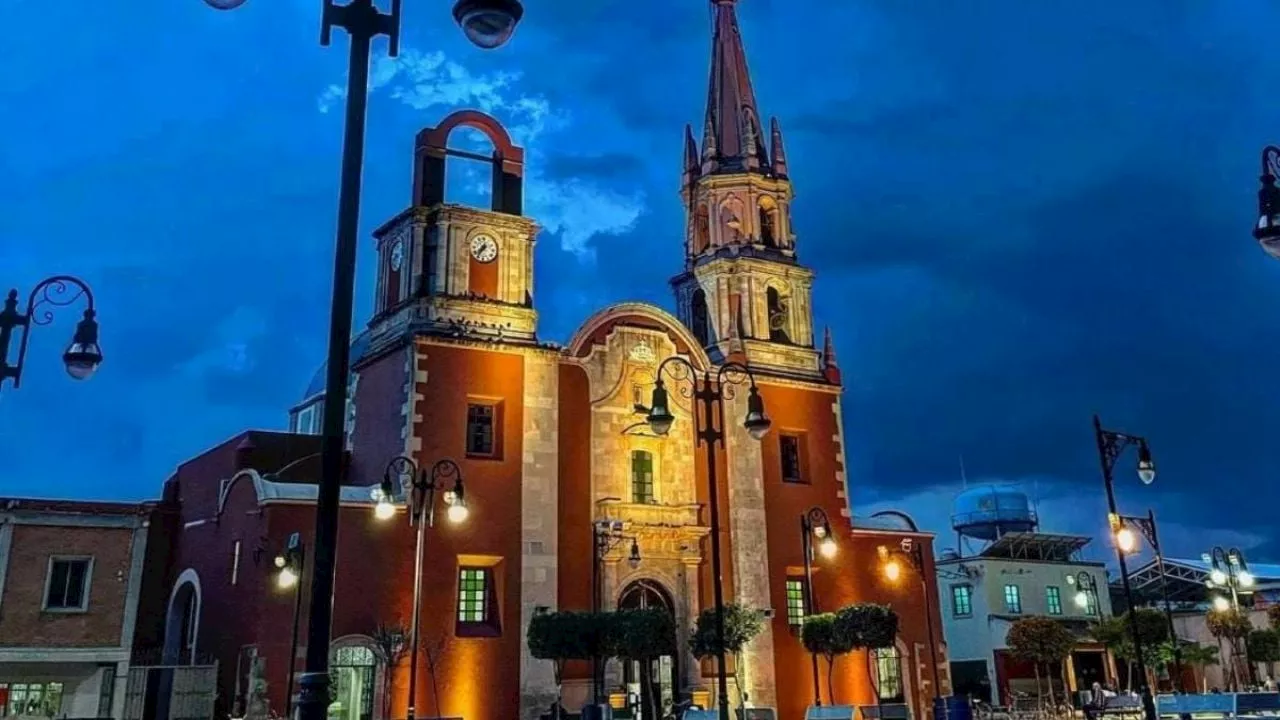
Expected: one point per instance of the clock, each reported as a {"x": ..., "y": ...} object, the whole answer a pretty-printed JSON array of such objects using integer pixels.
[
  {"x": 484, "y": 248},
  {"x": 397, "y": 256}
]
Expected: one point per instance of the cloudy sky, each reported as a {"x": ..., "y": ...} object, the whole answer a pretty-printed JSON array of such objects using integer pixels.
[{"x": 1020, "y": 216}]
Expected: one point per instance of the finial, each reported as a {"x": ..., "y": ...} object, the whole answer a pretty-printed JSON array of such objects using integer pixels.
[
  {"x": 777, "y": 151},
  {"x": 828, "y": 349}
]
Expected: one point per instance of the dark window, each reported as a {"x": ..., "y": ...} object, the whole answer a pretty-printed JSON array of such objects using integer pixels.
[
  {"x": 795, "y": 601},
  {"x": 480, "y": 428},
  {"x": 68, "y": 579},
  {"x": 961, "y": 600},
  {"x": 1053, "y": 597},
  {"x": 767, "y": 230},
  {"x": 106, "y": 693},
  {"x": 792, "y": 470},
  {"x": 701, "y": 229},
  {"x": 641, "y": 477},
  {"x": 1012, "y": 599},
  {"x": 779, "y": 316},
  {"x": 701, "y": 325}
]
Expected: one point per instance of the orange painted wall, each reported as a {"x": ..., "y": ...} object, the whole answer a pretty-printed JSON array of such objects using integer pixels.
[
  {"x": 484, "y": 278},
  {"x": 575, "y": 506},
  {"x": 706, "y": 590}
]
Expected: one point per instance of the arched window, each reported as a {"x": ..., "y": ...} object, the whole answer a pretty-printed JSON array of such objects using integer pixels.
[
  {"x": 701, "y": 230},
  {"x": 698, "y": 320},
  {"x": 888, "y": 664},
  {"x": 768, "y": 222},
  {"x": 642, "y": 477},
  {"x": 352, "y": 668},
  {"x": 779, "y": 316}
]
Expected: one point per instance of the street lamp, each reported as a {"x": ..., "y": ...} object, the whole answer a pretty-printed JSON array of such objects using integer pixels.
[
  {"x": 1267, "y": 230},
  {"x": 913, "y": 552},
  {"x": 419, "y": 488},
  {"x": 814, "y": 525},
  {"x": 1086, "y": 591},
  {"x": 1147, "y": 527},
  {"x": 1111, "y": 445},
  {"x": 289, "y": 566},
  {"x": 1228, "y": 569},
  {"x": 487, "y": 23},
  {"x": 83, "y": 354},
  {"x": 605, "y": 536},
  {"x": 708, "y": 393}
]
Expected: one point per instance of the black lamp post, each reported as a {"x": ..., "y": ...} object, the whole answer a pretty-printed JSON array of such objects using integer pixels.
[
  {"x": 914, "y": 553},
  {"x": 290, "y": 565},
  {"x": 1111, "y": 445},
  {"x": 708, "y": 392},
  {"x": 81, "y": 357},
  {"x": 1267, "y": 230},
  {"x": 488, "y": 24},
  {"x": 605, "y": 536},
  {"x": 1228, "y": 569},
  {"x": 419, "y": 488},
  {"x": 1147, "y": 527},
  {"x": 815, "y": 524}
]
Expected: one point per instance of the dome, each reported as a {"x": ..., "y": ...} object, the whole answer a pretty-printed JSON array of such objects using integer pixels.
[{"x": 359, "y": 346}]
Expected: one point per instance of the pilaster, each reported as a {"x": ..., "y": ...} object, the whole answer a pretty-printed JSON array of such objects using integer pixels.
[{"x": 539, "y": 506}]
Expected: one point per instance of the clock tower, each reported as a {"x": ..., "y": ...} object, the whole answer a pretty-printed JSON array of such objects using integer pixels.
[{"x": 456, "y": 270}]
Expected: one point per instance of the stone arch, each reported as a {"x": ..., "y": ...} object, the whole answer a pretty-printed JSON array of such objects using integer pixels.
[
  {"x": 700, "y": 317},
  {"x": 249, "y": 475},
  {"x": 769, "y": 221},
  {"x": 431, "y": 147},
  {"x": 778, "y": 309},
  {"x": 733, "y": 216},
  {"x": 597, "y": 327},
  {"x": 182, "y": 619},
  {"x": 366, "y": 668}
]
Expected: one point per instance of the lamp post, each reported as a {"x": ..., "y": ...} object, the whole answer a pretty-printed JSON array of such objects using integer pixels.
[
  {"x": 1086, "y": 591},
  {"x": 1229, "y": 569},
  {"x": 81, "y": 357},
  {"x": 605, "y": 536},
  {"x": 815, "y": 524},
  {"x": 1111, "y": 445},
  {"x": 487, "y": 24},
  {"x": 1147, "y": 528},
  {"x": 914, "y": 553},
  {"x": 290, "y": 565},
  {"x": 419, "y": 488},
  {"x": 708, "y": 392}
]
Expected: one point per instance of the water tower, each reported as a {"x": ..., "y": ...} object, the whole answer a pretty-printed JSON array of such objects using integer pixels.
[{"x": 987, "y": 512}]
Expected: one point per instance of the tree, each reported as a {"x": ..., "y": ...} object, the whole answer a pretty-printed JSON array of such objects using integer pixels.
[
  {"x": 1199, "y": 657},
  {"x": 741, "y": 625},
  {"x": 563, "y": 636},
  {"x": 1263, "y": 646},
  {"x": 1273, "y": 616},
  {"x": 391, "y": 640},
  {"x": 643, "y": 636},
  {"x": 822, "y": 635},
  {"x": 869, "y": 627},
  {"x": 1117, "y": 634},
  {"x": 1041, "y": 641},
  {"x": 1231, "y": 625}
]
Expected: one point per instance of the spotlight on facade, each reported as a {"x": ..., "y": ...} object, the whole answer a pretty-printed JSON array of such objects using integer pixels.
[
  {"x": 1221, "y": 603},
  {"x": 892, "y": 570},
  {"x": 1082, "y": 599}
]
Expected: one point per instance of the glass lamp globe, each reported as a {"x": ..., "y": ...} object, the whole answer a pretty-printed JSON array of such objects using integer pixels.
[
  {"x": 488, "y": 24},
  {"x": 224, "y": 4},
  {"x": 1221, "y": 604},
  {"x": 892, "y": 570},
  {"x": 287, "y": 578},
  {"x": 458, "y": 512},
  {"x": 828, "y": 548},
  {"x": 1082, "y": 599},
  {"x": 1217, "y": 576}
]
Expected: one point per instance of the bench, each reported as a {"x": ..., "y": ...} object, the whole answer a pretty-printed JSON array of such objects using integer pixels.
[
  {"x": 1121, "y": 705},
  {"x": 887, "y": 711},
  {"x": 830, "y": 712}
]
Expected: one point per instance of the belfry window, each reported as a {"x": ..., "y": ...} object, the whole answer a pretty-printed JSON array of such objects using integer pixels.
[
  {"x": 768, "y": 211},
  {"x": 779, "y": 316},
  {"x": 642, "y": 477},
  {"x": 701, "y": 230},
  {"x": 698, "y": 320}
]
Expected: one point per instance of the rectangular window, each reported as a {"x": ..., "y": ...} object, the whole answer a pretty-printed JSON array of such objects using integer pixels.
[
  {"x": 796, "y": 592},
  {"x": 38, "y": 699},
  {"x": 1091, "y": 603},
  {"x": 1012, "y": 599},
  {"x": 642, "y": 477},
  {"x": 961, "y": 600},
  {"x": 792, "y": 469},
  {"x": 107, "y": 691},
  {"x": 477, "y": 602},
  {"x": 67, "y": 587},
  {"x": 1053, "y": 598},
  {"x": 481, "y": 424},
  {"x": 889, "y": 673}
]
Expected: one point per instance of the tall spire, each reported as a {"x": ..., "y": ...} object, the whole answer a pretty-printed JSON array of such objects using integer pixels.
[{"x": 732, "y": 141}]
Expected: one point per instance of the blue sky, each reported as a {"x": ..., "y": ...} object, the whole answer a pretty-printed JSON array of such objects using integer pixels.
[{"x": 1019, "y": 216}]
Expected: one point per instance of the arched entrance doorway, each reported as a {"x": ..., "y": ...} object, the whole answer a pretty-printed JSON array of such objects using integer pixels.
[{"x": 660, "y": 679}]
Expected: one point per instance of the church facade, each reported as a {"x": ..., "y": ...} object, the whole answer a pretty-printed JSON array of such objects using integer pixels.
[{"x": 553, "y": 447}]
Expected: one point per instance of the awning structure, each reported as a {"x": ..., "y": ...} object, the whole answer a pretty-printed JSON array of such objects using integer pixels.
[
  {"x": 1044, "y": 547},
  {"x": 1186, "y": 582}
]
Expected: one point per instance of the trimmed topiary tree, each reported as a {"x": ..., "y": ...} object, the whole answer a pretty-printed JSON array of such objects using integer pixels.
[
  {"x": 643, "y": 636},
  {"x": 741, "y": 625},
  {"x": 869, "y": 627},
  {"x": 823, "y": 635},
  {"x": 563, "y": 636}
]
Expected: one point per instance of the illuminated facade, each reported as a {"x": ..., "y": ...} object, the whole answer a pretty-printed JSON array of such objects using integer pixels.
[{"x": 549, "y": 443}]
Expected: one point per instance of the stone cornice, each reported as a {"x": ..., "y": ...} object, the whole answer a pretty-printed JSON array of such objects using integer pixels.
[{"x": 453, "y": 211}]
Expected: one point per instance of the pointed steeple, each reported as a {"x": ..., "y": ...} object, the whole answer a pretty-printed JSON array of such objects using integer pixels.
[
  {"x": 776, "y": 149},
  {"x": 829, "y": 366},
  {"x": 691, "y": 166},
  {"x": 732, "y": 140}
]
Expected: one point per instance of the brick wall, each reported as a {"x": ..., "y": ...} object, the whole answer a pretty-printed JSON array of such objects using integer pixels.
[{"x": 22, "y": 620}]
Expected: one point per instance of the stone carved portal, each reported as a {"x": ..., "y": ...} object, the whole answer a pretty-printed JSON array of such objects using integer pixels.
[{"x": 661, "y": 678}]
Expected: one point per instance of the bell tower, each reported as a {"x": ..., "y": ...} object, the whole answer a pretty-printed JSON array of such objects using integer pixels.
[
  {"x": 457, "y": 270},
  {"x": 743, "y": 291}
]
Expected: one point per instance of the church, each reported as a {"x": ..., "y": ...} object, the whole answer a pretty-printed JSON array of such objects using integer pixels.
[{"x": 574, "y": 500}]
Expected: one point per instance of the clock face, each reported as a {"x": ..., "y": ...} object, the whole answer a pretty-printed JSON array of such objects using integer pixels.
[
  {"x": 397, "y": 255},
  {"x": 484, "y": 248}
]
